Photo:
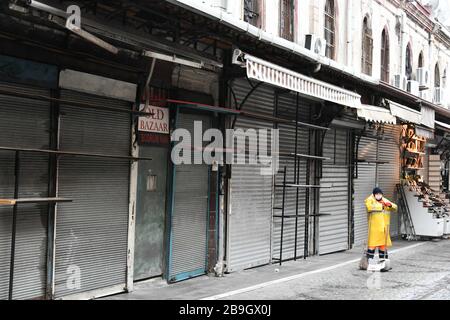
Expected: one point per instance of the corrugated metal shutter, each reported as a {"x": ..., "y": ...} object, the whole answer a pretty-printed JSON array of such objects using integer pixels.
[
  {"x": 388, "y": 174},
  {"x": 92, "y": 231},
  {"x": 363, "y": 186},
  {"x": 287, "y": 110},
  {"x": 189, "y": 220},
  {"x": 250, "y": 212},
  {"x": 24, "y": 123},
  {"x": 333, "y": 230}
]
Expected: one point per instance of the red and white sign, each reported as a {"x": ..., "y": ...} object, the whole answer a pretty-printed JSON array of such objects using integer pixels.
[{"x": 157, "y": 123}]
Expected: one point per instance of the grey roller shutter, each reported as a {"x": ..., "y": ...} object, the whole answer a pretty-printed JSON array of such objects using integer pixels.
[
  {"x": 24, "y": 123},
  {"x": 250, "y": 210},
  {"x": 92, "y": 231},
  {"x": 363, "y": 189},
  {"x": 333, "y": 230},
  {"x": 287, "y": 110},
  {"x": 189, "y": 221},
  {"x": 363, "y": 186},
  {"x": 388, "y": 174}
]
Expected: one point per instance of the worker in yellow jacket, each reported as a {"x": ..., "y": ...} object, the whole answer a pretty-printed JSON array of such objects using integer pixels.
[{"x": 379, "y": 208}]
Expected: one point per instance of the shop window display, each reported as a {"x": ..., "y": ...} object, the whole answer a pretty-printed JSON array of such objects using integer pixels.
[{"x": 413, "y": 149}]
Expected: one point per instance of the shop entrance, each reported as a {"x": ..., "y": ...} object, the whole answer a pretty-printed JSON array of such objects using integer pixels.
[
  {"x": 189, "y": 210},
  {"x": 150, "y": 213}
]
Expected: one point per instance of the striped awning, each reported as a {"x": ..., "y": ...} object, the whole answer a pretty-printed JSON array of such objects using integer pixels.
[
  {"x": 405, "y": 113},
  {"x": 275, "y": 75},
  {"x": 376, "y": 114}
]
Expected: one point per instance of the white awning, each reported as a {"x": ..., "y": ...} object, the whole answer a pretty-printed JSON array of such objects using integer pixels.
[
  {"x": 424, "y": 132},
  {"x": 405, "y": 113},
  {"x": 428, "y": 117},
  {"x": 376, "y": 114},
  {"x": 273, "y": 74}
]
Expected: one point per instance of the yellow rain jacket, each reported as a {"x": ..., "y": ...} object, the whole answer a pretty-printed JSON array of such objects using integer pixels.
[{"x": 379, "y": 221}]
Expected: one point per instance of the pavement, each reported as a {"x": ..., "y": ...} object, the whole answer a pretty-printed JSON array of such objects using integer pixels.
[{"x": 421, "y": 270}]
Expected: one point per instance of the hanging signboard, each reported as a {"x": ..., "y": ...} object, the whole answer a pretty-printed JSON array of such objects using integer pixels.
[
  {"x": 158, "y": 122},
  {"x": 154, "y": 129}
]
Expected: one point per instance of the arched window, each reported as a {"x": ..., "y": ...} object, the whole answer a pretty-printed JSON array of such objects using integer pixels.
[
  {"x": 330, "y": 28},
  {"x": 287, "y": 19},
  {"x": 437, "y": 76},
  {"x": 367, "y": 47},
  {"x": 408, "y": 62},
  {"x": 385, "y": 56},
  {"x": 253, "y": 12},
  {"x": 421, "y": 60}
]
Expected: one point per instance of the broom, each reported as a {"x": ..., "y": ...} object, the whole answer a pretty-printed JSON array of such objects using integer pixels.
[{"x": 364, "y": 262}]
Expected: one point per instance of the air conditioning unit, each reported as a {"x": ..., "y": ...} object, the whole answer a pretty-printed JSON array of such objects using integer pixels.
[
  {"x": 400, "y": 81},
  {"x": 425, "y": 95},
  {"x": 413, "y": 87},
  {"x": 438, "y": 96},
  {"x": 423, "y": 77},
  {"x": 316, "y": 44},
  {"x": 217, "y": 3}
]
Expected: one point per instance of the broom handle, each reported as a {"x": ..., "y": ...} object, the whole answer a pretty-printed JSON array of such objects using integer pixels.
[
  {"x": 387, "y": 233},
  {"x": 369, "y": 215}
]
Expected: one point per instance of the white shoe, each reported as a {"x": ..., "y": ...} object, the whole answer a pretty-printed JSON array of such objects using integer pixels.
[{"x": 387, "y": 265}]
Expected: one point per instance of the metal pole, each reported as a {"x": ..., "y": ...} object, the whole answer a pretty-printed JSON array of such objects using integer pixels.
[
  {"x": 282, "y": 215},
  {"x": 14, "y": 224},
  {"x": 296, "y": 177},
  {"x": 306, "y": 240},
  {"x": 52, "y": 192}
]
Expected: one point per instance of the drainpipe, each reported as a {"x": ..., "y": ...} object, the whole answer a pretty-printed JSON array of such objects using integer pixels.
[
  {"x": 402, "y": 42},
  {"x": 430, "y": 64},
  {"x": 349, "y": 32}
]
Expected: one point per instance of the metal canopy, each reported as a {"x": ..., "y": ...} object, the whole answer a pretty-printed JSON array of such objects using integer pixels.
[
  {"x": 276, "y": 75},
  {"x": 376, "y": 114},
  {"x": 405, "y": 113},
  {"x": 443, "y": 126}
]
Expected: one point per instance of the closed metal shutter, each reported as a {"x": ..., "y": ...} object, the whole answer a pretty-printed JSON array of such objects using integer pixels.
[
  {"x": 388, "y": 174},
  {"x": 363, "y": 186},
  {"x": 189, "y": 221},
  {"x": 333, "y": 230},
  {"x": 24, "y": 123},
  {"x": 287, "y": 110},
  {"x": 250, "y": 210},
  {"x": 92, "y": 231}
]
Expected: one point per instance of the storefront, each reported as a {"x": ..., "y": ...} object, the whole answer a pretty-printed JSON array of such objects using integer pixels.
[
  {"x": 335, "y": 201},
  {"x": 24, "y": 123},
  {"x": 67, "y": 210},
  {"x": 177, "y": 203},
  {"x": 378, "y": 165},
  {"x": 295, "y": 213}
]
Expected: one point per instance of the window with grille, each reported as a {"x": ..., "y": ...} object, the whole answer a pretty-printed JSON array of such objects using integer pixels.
[
  {"x": 367, "y": 48},
  {"x": 330, "y": 29},
  {"x": 408, "y": 62},
  {"x": 287, "y": 19},
  {"x": 385, "y": 56},
  {"x": 252, "y": 12}
]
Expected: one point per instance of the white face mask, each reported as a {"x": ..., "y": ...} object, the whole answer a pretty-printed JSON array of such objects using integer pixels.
[{"x": 378, "y": 197}]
